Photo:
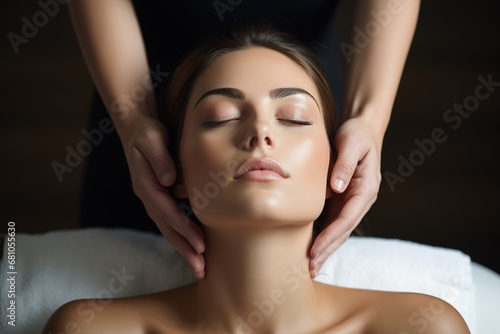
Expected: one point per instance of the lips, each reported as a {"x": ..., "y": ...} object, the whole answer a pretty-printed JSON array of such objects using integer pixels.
[{"x": 260, "y": 169}]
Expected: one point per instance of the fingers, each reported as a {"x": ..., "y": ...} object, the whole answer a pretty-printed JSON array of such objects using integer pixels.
[
  {"x": 195, "y": 260},
  {"x": 177, "y": 228},
  {"x": 356, "y": 179},
  {"x": 153, "y": 146},
  {"x": 165, "y": 212},
  {"x": 333, "y": 236},
  {"x": 349, "y": 154},
  {"x": 161, "y": 207},
  {"x": 316, "y": 263}
]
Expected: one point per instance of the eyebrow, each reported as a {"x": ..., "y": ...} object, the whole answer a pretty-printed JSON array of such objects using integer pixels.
[{"x": 277, "y": 93}]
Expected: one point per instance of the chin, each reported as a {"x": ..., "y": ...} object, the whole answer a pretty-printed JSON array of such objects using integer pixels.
[
  {"x": 261, "y": 209},
  {"x": 261, "y": 203}
]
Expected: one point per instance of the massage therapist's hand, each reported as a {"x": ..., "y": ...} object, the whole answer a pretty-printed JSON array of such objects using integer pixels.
[
  {"x": 152, "y": 169},
  {"x": 356, "y": 180}
]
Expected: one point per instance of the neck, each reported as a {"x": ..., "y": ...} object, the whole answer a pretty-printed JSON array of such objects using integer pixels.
[{"x": 257, "y": 280}]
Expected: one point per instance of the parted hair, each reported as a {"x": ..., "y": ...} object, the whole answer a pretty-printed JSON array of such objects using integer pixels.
[{"x": 239, "y": 36}]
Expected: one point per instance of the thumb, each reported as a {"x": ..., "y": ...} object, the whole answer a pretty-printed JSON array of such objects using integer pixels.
[
  {"x": 156, "y": 152},
  {"x": 345, "y": 165}
]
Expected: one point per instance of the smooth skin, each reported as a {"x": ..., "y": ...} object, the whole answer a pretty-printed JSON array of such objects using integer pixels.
[
  {"x": 256, "y": 282},
  {"x": 111, "y": 42}
]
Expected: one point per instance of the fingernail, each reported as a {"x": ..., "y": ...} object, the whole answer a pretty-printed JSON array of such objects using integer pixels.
[
  {"x": 166, "y": 177},
  {"x": 338, "y": 184},
  {"x": 199, "y": 275},
  {"x": 314, "y": 274},
  {"x": 200, "y": 248},
  {"x": 317, "y": 256}
]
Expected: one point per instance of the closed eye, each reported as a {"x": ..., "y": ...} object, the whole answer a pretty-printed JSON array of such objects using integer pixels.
[
  {"x": 218, "y": 123},
  {"x": 288, "y": 121},
  {"x": 296, "y": 122}
]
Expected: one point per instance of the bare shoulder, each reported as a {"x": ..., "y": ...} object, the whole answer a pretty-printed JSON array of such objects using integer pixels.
[
  {"x": 414, "y": 313},
  {"x": 161, "y": 312},
  {"x": 95, "y": 316},
  {"x": 381, "y": 312}
]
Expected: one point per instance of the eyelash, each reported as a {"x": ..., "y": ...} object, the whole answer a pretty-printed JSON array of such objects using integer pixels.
[
  {"x": 296, "y": 122},
  {"x": 217, "y": 123},
  {"x": 289, "y": 121}
]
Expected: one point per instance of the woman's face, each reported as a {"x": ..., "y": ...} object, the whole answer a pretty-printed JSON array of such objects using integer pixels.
[{"x": 254, "y": 148}]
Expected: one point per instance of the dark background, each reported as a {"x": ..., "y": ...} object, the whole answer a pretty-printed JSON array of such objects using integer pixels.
[{"x": 450, "y": 200}]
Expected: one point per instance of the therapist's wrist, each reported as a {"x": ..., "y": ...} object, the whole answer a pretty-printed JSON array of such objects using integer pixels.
[
  {"x": 126, "y": 110},
  {"x": 137, "y": 125},
  {"x": 376, "y": 118},
  {"x": 127, "y": 120}
]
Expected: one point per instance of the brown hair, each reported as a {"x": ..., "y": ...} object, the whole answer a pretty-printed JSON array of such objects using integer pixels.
[{"x": 240, "y": 36}]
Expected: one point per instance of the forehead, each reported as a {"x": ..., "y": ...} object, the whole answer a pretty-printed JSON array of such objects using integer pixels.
[{"x": 256, "y": 71}]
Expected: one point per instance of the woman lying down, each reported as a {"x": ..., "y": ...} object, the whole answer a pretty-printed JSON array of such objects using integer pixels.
[{"x": 254, "y": 108}]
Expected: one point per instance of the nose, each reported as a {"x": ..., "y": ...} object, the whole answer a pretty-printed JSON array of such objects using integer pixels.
[{"x": 260, "y": 134}]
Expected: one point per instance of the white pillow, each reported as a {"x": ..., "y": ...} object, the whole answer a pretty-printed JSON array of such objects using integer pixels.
[{"x": 487, "y": 301}]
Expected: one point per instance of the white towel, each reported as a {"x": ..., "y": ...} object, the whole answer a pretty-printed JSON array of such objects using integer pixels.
[
  {"x": 397, "y": 265},
  {"x": 61, "y": 266}
]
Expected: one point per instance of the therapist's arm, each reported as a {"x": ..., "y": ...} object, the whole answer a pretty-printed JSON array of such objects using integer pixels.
[
  {"x": 373, "y": 74},
  {"x": 110, "y": 39}
]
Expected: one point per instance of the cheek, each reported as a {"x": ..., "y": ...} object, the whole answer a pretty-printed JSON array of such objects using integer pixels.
[
  {"x": 308, "y": 162},
  {"x": 201, "y": 156},
  {"x": 311, "y": 159}
]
